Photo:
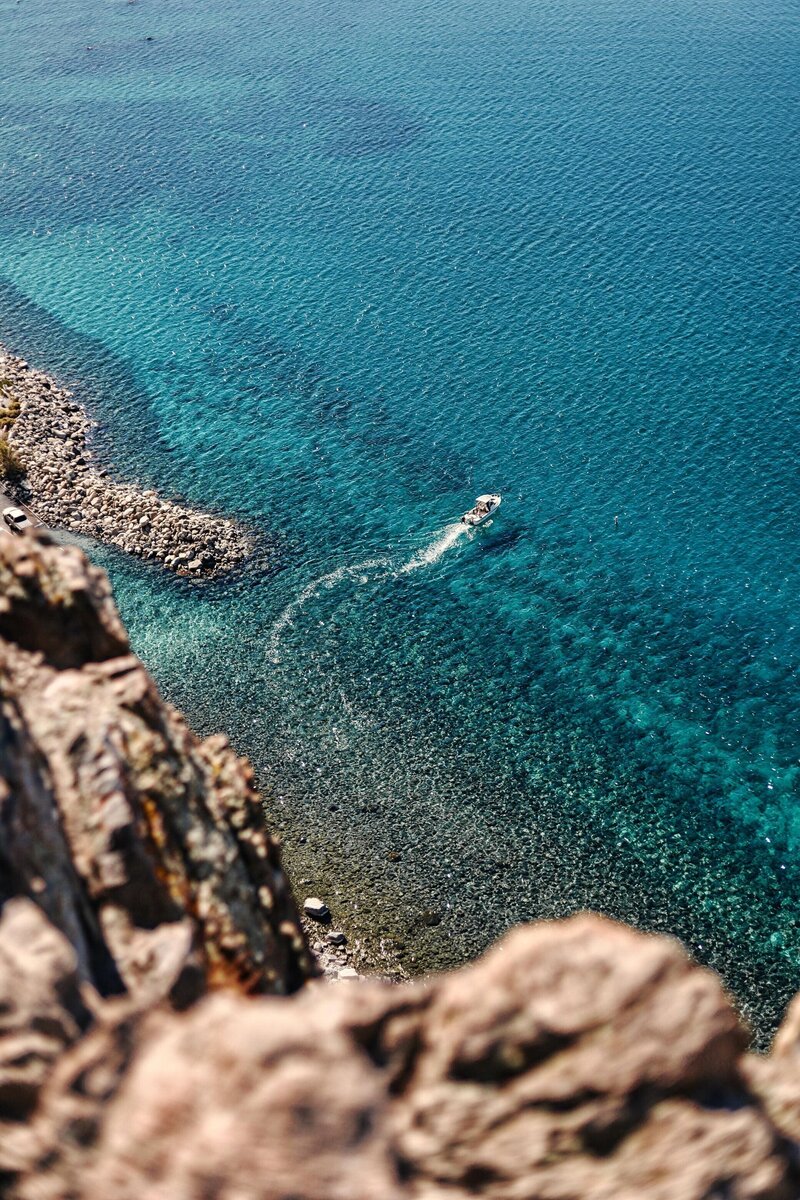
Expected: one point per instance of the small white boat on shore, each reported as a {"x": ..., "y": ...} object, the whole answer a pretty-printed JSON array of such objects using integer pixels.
[{"x": 485, "y": 506}]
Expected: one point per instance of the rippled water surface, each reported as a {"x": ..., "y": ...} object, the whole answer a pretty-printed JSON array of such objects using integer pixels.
[{"x": 337, "y": 267}]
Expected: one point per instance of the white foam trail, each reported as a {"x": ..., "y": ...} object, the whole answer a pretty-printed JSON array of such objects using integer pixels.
[
  {"x": 422, "y": 558},
  {"x": 329, "y": 580},
  {"x": 433, "y": 552}
]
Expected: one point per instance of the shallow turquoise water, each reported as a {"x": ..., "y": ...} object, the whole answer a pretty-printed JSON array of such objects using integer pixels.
[{"x": 339, "y": 267}]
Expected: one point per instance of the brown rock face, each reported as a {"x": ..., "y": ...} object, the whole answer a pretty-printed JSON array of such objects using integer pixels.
[
  {"x": 578, "y": 1060},
  {"x": 42, "y": 1012},
  {"x": 145, "y": 846},
  {"x": 57, "y": 605},
  {"x": 41, "y": 1007}
]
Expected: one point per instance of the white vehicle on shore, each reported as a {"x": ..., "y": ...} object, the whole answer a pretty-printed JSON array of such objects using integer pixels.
[
  {"x": 483, "y": 509},
  {"x": 17, "y": 520}
]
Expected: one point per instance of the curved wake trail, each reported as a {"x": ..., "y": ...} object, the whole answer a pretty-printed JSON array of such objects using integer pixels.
[
  {"x": 312, "y": 589},
  {"x": 387, "y": 566}
]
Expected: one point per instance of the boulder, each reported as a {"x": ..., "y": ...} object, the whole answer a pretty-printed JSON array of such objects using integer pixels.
[
  {"x": 316, "y": 909},
  {"x": 53, "y": 602},
  {"x": 577, "y": 1061}
]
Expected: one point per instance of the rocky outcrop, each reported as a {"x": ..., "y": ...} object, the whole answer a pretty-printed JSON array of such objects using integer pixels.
[
  {"x": 63, "y": 483},
  {"x": 577, "y": 1061},
  {"x": 148, "y": 934},
  {"x": 42, "y": 1010},
  {"x": 145, "y": 846},
  {"x": 58, "y": 606}
]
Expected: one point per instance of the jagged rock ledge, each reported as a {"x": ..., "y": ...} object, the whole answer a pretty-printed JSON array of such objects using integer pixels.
[
  {"x": 67, "y": 488},
  {"x": 146, "y": 846}
]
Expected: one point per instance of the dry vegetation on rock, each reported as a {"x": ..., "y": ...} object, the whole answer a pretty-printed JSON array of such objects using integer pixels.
[{"x": 12, "y": 463}]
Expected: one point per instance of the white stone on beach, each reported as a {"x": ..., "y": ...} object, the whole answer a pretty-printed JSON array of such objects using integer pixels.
[{"x": 316, "y": 908}]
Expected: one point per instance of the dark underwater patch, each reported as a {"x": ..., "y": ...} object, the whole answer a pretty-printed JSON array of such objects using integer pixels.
[
  {"x": 101, "y": 380},
  {"x": 354, "y": 128}
]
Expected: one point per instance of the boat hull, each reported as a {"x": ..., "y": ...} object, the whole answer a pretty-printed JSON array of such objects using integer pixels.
[{"x": 474, "y": 518}]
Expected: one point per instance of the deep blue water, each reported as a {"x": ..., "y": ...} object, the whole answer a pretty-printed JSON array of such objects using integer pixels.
[{"x": 337, "y": 267}]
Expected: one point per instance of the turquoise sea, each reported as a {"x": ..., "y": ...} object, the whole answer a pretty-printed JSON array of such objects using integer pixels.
[{"x": 337, "y": 267}]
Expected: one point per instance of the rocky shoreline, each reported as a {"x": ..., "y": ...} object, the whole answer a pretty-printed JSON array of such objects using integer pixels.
[
  {"x": 67, "y": 488},
  {"x": 336, "y": 958}
]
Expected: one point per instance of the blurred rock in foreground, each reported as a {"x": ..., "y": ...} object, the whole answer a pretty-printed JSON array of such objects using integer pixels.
[{"x": 147, "y": 935}]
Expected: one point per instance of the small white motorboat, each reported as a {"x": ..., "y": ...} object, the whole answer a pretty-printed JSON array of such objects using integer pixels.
[{"x": 485, "y": 506}]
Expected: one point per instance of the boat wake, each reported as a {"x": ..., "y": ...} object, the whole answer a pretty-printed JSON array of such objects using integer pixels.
[
  {"x": 313, "y": 589},
  {"x": 371, "y": 570},
  {"x": 433, "y": 552}
]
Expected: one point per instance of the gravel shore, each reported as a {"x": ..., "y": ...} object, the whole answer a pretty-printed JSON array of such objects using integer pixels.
[{"x": 66, "y": 488}]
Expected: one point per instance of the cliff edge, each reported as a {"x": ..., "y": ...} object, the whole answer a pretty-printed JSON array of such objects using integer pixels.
[
  {"x": 162, "y": 1036},
  {"x": 143, "y": 845}
]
